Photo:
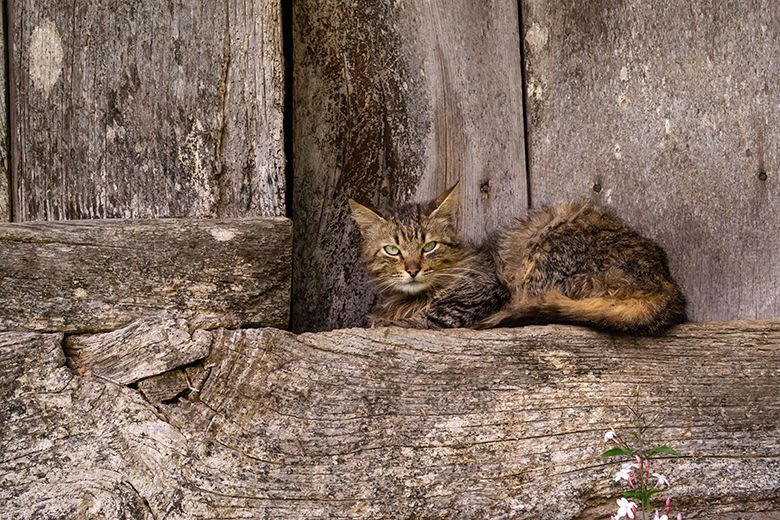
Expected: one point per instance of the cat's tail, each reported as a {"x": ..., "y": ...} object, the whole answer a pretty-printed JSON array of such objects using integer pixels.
[{"x": 645, "y": 313}]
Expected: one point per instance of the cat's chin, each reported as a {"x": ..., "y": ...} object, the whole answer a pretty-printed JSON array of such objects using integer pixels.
[{"x": 412, "y": 288}]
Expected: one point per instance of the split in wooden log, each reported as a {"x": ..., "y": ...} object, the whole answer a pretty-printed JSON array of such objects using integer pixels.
[{"x": 142, "y": 349}]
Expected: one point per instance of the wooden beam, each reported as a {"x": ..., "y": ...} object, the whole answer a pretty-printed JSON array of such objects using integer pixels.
[
  {"x": 392, "y": 422},
  {"x": 394, "y": 102},
  {"x": 99, "y": 275}
]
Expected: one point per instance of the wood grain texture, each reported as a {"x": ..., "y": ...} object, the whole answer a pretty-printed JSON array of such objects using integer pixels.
[
  {"x": 396, "y": 423},
  {"x": 165, "y": 386},
  {"x": 671, "y": 111},
  {"x": 5, "y": 159},
  {"x": 160, "y": 109},
  {"x": 143, "y": 349},
  {"x": 395, "y": 102},
  {"x": 99, "y": 275}
]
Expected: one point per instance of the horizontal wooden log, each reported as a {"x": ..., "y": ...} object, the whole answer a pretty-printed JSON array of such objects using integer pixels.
[
  {"x": 396, "y": 423},
  {"x": 99, "y": 275}
]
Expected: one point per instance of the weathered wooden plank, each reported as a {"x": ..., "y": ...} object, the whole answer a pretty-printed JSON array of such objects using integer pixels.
[
  {"x": 669, "y": 112},
  {"x": 159, "y": 109},
  {"x": 397, "y": 423},
  {"x": 99, "y": 275},
  {"x": 5, "y": 159},
  {"x": 394, "y": 102},
  {"x": 251, "y": 156}
]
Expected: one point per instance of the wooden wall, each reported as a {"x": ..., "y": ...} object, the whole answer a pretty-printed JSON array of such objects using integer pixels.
[
  {"x": 396, "y": 101},
  {"x": 146, "y": 109},
  {"x": 668, "y": 112}
]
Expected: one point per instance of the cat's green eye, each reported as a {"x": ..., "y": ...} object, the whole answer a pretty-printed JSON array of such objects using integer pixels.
[
  {"x": 429, "y": 246},
  {"x": 392, "y": 250}
]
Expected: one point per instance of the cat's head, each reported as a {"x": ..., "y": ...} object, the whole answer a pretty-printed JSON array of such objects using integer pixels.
[{"x": 412, "y": 248}]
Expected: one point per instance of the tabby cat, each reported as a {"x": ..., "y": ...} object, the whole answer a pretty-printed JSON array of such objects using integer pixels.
[{"x": 566, "y": 264}]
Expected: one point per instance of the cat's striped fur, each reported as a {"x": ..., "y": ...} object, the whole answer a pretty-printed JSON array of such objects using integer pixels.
[{"x": 566, "y": 264}]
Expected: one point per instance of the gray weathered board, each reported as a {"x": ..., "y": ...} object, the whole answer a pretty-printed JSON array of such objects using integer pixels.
[
  {"x": 147, "y": 109},
  {"x": 395, "y": 101},
  {"x": 668, "y": 112},
  {"x": 5, "y": 167},
  {"x": 99, "y": 275},
  {"x": 391, "y": 423}
]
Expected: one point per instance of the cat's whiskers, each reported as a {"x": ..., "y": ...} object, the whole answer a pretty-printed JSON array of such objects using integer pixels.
[
  {"x": 457, "y": 272},
  {"x": 401, "y": 282}
]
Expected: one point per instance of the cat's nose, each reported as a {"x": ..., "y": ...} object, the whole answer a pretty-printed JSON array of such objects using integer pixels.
[{"x": 412, "y": 270}]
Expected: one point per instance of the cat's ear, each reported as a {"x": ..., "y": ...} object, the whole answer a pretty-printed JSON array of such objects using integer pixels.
[
  {"x": 364, "y": 216},
  {"x": 447, "y": 203}
]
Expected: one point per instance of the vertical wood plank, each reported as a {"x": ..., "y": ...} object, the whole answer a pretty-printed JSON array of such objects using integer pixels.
[
  {"x": 395, "y": 102},
  {"x": 669, "y": 113},
  {"x": 472, "y": 60},
  {"x": 5, "y": 161},
  {"x": 151, "y": 109},
  {"x": 251, "y": 148}
]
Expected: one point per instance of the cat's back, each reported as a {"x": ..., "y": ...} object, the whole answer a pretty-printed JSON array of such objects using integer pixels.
[
  {"x": 573, "y": 246},
  {"x": 566, "y": 223}
]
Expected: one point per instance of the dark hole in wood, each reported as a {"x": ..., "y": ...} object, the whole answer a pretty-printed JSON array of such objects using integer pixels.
[{"x": 184, "y": 394}]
